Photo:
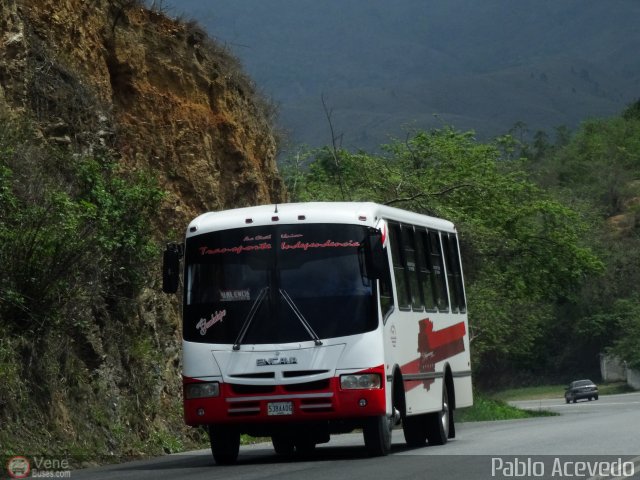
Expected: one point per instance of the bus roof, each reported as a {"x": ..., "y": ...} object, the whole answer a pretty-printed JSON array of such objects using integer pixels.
[{"x": 358, "y": 213}]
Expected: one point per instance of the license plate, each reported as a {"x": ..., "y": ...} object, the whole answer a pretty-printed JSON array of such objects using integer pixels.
[{"x": 280, "y": 408}]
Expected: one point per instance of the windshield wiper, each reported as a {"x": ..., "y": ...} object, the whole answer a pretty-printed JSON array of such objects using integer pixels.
[
  {"x": 252, "y": 313},
  {"x": 300, "y": 317}
]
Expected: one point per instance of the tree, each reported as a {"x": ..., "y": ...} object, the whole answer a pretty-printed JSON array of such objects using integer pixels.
[
  {"x": 632, "y": 112},
  {"x": 522, "y": 249},
  {"x": 595, "y": 170},
  {"x": 599, "y": 168}
]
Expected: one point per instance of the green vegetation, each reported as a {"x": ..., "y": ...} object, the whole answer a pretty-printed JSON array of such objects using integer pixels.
[
  {"x": 79, "y": 359},
  {"x": 494, "y": 406},
  {"x": 553, "y": 391},
  {"x": 522, "y": 248},
  {"x": 597, "y": 171},
  {"x": 530, "y": 393},
  {"x": 489, "y": 409},
  {"x": 549, "y": 234}
]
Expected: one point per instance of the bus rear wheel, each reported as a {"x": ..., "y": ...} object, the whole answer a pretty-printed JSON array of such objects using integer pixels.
[
  {"x": 377, "y": 435},
  {"x": 225, "y": 444}
]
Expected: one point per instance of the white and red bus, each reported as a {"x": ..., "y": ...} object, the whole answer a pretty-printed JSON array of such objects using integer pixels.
[{"x": 305, "y": 320}]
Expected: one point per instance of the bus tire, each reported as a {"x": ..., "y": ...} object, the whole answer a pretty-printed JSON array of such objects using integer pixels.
[
  {"x": 225, "y": 444},
  {"x": 283, "y": 445},
  {"x": 377, "y": 435},
  {"x": 438, "y": 422},
  {"x": 415, "y": 430},
  {"x": 452, "y": 423},
  {"x": 305, "y": 447},
  {"x": 413, "y": 427}
]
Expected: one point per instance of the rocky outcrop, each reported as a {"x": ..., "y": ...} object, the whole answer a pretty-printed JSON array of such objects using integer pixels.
[
  {"x": 160, "y": 97},
  {"x": 158, "y": 91}
]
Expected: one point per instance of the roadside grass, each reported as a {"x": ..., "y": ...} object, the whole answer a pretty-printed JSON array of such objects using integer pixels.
[
  {"x": 541, "y": 392},
  {"x": 494, "y": 406},
  {"x": 615, "y": 388},
  {"x": 486, "y": 409},
  {"x": 538, "y": 392}
]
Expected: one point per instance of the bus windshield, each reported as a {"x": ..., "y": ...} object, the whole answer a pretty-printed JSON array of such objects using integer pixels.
[{"x": 284, "y": 283}]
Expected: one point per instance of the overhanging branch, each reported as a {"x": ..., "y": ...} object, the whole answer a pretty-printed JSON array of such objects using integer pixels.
[{"x": 427, "y": 194}]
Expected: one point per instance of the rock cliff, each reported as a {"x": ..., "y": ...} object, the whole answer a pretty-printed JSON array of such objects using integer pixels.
[
  {"x": 163, "y": 99},
  {"x": 157, "y": 90}
]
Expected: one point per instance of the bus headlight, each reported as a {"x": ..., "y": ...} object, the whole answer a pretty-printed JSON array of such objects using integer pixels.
[
  {"x": 201, "y": 390},
  {"x": 362, "y": 381}
]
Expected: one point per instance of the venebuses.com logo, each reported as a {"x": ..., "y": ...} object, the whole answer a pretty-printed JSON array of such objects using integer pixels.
[
  {"x": 38, "y": 467},
  {"x": 18, "y": 467}
]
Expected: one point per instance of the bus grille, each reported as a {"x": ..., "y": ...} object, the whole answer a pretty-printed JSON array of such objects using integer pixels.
[{"x": 308, "y": 397}]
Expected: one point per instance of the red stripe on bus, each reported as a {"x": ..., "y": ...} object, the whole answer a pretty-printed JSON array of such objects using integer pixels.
[{"x": 433, "y": 347}]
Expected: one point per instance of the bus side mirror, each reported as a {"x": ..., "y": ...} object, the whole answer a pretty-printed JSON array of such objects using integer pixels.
[
  {"x": 171, "y": 268},
  {"x": 375, "y": 255}
]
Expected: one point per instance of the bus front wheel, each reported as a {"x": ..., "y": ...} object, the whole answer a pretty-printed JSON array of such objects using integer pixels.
[
  {"x": 283, "y": 445},
  {"x": 225, "y": 444},
  {"x": 377, "y": 435}
]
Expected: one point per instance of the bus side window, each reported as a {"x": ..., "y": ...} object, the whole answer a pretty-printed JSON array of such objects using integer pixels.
[
  {"x": 412, "y": 267},
  {"x": 453, "y": 292},
  {"x": 454, "y": 273},
  {"x": 386, "y": 291},
  {"x": 402, "y": 286},
  {"x": 424, "y": 270},
  {"x": 437, "y": 272}
]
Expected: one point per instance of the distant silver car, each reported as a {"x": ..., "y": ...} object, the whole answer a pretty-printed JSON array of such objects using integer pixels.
[{"x": 581, "y": 389}]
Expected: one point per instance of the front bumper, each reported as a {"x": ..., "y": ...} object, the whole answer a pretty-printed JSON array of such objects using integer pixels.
[{"x": 315, "y": 401}]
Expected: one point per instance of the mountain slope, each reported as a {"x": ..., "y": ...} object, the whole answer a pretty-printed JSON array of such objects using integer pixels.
[{"x": 476, "y": 65}]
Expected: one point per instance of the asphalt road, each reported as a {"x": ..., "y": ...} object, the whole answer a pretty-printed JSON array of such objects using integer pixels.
[{"x": 599, "y": 433}]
